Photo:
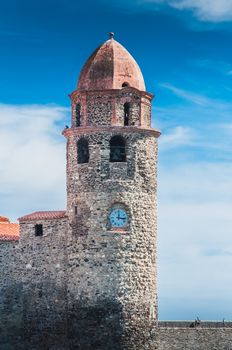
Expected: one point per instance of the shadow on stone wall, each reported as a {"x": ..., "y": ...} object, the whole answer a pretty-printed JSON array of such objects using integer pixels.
[
  {"x": 45, "y": 323},
  {"x": 31, "y": 322},
  {"x": 39, "y": 317},
  {"x": 95, "y": 327},
  {"x": 11, "y": 316}
]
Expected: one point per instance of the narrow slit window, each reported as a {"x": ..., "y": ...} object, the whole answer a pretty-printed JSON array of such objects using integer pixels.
[
  {"x": 82, "y": 151},
  {"x": 78, "y": 114},
  {"x": 126, "y": 113},
  {"x": 117, "y": 149},
  {"x": 38, "y": 230}
]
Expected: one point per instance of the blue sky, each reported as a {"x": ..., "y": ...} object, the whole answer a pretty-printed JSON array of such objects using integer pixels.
[{"x": 184, "y": 50}]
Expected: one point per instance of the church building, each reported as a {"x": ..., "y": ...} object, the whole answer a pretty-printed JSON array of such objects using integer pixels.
[{"x": 86, "y": 277}]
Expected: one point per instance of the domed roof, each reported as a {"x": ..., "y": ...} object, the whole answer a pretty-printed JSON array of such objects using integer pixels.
[{"x": 110, "y": 67}]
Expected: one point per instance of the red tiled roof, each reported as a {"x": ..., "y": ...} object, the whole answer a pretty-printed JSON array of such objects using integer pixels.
[
  {"x": 44, "y": 215},
  {"x": 4, "y": 219},
  {"x": 9, "y": 231},
  {"x": 109, "y": 66}
]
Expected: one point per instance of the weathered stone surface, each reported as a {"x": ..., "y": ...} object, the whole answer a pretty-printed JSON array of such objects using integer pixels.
[
  {"x": 106, "y": 108},
  {"x": 207, "y": 336},
  {"x": 109, "y": 267},
  {"x": 33, "y": 295}
]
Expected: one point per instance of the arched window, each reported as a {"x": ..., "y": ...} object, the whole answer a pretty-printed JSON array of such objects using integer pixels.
[
  {"x": 78, "y": 114},
  {"x": 82, "y": 151},
  {"x": 126, "y": 113},
  {"x": 117, "y": 149},
  {"x": 125, "y": 84}
]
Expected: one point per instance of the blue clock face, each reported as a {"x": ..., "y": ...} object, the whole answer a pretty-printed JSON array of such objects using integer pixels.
[{"x": 118, "y": 218}]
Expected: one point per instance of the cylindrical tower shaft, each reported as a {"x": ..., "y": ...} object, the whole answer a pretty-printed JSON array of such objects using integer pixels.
[{"x": 111, "y": 186}]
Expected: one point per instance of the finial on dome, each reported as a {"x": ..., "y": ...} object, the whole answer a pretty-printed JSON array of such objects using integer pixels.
[{"x": 111, "y": 35}]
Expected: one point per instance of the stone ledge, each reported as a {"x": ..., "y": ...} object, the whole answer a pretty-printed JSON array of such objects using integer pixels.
[
  {"x": 114, "y": 128},
  {"x": 187, "y": 324}
]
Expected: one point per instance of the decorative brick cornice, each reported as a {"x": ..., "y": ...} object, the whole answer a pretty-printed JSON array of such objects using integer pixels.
[
  {"x": 116, "y": 129},
  {"x": 111, "y": 92}
]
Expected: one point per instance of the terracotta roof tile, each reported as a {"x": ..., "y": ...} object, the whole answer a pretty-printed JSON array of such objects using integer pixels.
[
  {"x": 4, "y": 219},
  {"x": 44, "y": 215},
  {"x": 9, "y": 231}
]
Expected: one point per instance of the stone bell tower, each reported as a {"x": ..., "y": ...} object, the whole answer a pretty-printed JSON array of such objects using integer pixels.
[{"x": 111, "y": 190}]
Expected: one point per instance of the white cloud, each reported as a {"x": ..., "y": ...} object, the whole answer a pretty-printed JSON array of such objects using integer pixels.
[
  {"x": 178, "y": 136},
  {"x": 204, "y": 10},
  {"x": 195, "y": 244},
  {"x": 199, "y": 126},
  {"x": 207, "y": 10},
  {"x": 194, "y": 206},
  {"x": 189, "y": 96},
  {"x": 32, "y": 158},
  {"x": 204, "y": 103}
]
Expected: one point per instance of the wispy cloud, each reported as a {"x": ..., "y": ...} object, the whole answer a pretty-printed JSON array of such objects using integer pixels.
[
  {"x": 190, "y": 96},
  {"x": 176, "y": 137},
  {"x": 201, "y": 100},
  {"x": 204, "y": 10},
  {"x": 222, "y": 67},
  {"x": 207, "y": 10},
  {"x": 198, "y": 124}
]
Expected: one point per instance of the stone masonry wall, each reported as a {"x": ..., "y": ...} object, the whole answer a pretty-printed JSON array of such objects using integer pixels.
[
  {"x": 106, "y": 108},
  {"x": 139, "y": 171},
  {"x": 43, "y": 262},
  {"x": 6, "y": 254},
  {"x": 134, "y": 100},
  {"x": 146, "y": 112},
  {"x": 10, "y": 298},
  {"x": 99, "y": 109},
  {"x": 112, "y": 276},
  {"x": 35, "y": 297},
  {"x": 207, "y": 336}
]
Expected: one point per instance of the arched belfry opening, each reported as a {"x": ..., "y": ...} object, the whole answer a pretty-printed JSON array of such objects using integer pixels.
[
  {"x": 78, "y": 114},
  {"x": 117, "y": 149},
  {"x": 82, "y": 151},
  {"x": 125, "y": 84},
  {"x": 126, "y": 113}
]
